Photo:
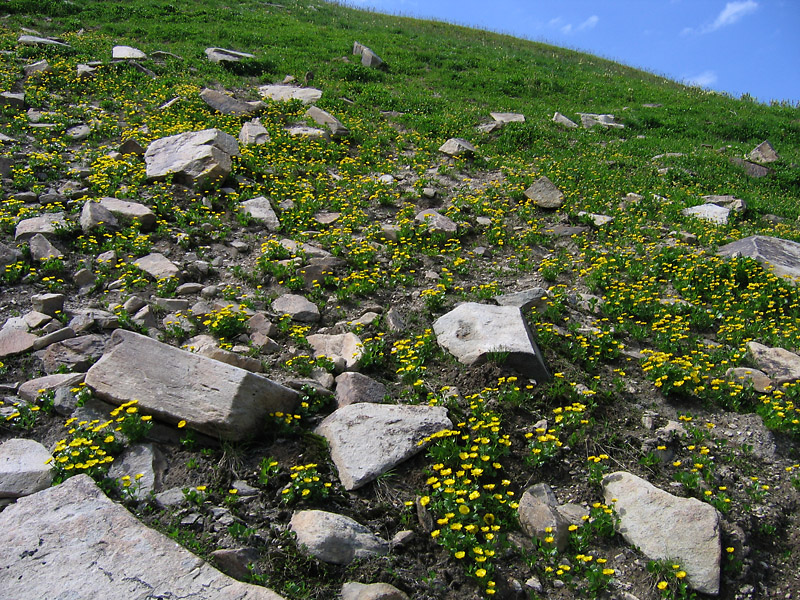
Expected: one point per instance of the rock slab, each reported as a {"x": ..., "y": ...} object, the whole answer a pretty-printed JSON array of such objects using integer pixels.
[
  {"x": 779, "y": 255},
  {"x": 366, "y": 439},
  {"x": 214, "y": 398},
  {"x": 545, "y": 194},
  {"x": 22, "y": 468},
  {"x": 335, "y": 538},
  {"x": 74, "y": 528},
  {"x": 781, "y": 365},
  {"x": 666, "y": 527},
  {"x": 472, "y": 332},
  {"x": 194, "y": 158}
]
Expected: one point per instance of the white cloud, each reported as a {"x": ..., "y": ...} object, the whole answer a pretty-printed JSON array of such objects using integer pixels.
[
  {"x": 589, "y": 23},
  {"x": 704, "y": 79},
  {"x": 566, "y": 28},
  {"x": 732, "y": 13}
]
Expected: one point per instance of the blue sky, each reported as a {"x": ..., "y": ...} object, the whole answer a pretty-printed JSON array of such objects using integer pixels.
[{"x": 738, "y": 47}]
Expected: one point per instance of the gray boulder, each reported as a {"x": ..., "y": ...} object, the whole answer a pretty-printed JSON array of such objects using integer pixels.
[
  {"x": 352, "y": 388},
  {"x": 23, "y": 470},
  {"x": 35, "y": 40},
  {"x": 781, "y": 365},
  {"x": 524, "y": 299},
  {"x": 297, "y": 307},
  {"x": 212, "y": 397},
  {"x": 472, "y": 332},
  {"x": 157, "y": 266},
  {"x": 15, "y": 341},
  {"x": 321, "y": 117},
  {"x": 666, "y": 527},
  {"x": 282, "y": 93},
  {"x": 711, "y": 213},
  {"x": 374, "y": 591},
  {"x": 127, "y": 53},
  {"x": 344, "y": 349},
  {"x": 538, "y": 512},
  {"x": 589, "y": 120},
  {"x": 42, "y": 249},
  {"x": 144, "y": 465},
  {"x": 46, "y": 224},
  {"x": 562, "y": 120},
  {"x": 128, "y": 211},
  {"x": 781, "y": 256},
  {"x": 253, "y": 133},
  {"x": 79, "y": 530},
  {"x": 94, "y": 214},
  {"x": 437, "y": 222},
  {"x": 221, "y": 55},
  {"x": 195, "y": 158},
  {"x": 763, "y": 154},
  {"x": 260, "y": 208},
  {"x": 228, "y": 105},
  {"x": 368, "y": 57},
  {"x": 457, "y": 147},
  {"x": 544, "y": 193},
  {"x": 335, "y": 538},
  {"x": 367, "y": 439},
  {"x": 507, "y": 117}
]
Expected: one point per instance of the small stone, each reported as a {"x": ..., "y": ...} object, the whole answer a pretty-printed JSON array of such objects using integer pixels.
[
  {"x": 374, "y": 591},
  {"x": 297, "y": 307},
  {"x": 253, "y": 133},
  {"x": 260, "y": 209},
  {"x": 49, "y": 304},
  {"x": 127, "y": 53},
  {"x": 78, "y": 133},
  {"x": 562, "y": 120},
  {"x": 352, "y": 388},
  {"x": 94, "y": 214},
  {"x": 335, "y": 538},
  {"x": 41, "y": 248},
  {"x": 545, "y": 194},
  {"x": 23, "y": 468},
  {"x": 282, "y": 93},
  {"x": 219, "y": 55},
  {"x": 457, "y": 147}
]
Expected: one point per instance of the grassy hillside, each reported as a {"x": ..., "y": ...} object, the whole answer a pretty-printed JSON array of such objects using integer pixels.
[{"x": 641, "y": 324}]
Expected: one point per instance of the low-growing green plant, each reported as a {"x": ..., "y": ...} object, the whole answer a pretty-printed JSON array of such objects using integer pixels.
[{"x": 306, "y": 484}]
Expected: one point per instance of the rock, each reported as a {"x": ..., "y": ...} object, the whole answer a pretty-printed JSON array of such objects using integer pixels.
[
  {"x": 85, "y": 71},
  {"x": 352, "y": 388},
  {"x": 321, "y": 117},
  {"x": 318, "y": 268},
  {"x": 780, "y": 256},
  {"x": 539, "y": 516},
  {"x": 79, "y": 530},
  {"x": 65, "y": 333},
  {"x": 437, "y": 223},
  {"x": 34, "y": 40},
  {"x": 596, "y": 220},
  {"x": 49, "y": 304},
  {"x": 15, "y": 341},
  {"x": 228, "y": 105},
  {"x": 282, "y": 93},
  {"x": 40, "y": 66},
  {"x": 85, "y": 319},
  {"x": 665, "y": 527},
  {"x": 545, "y": 194},
  {"x": 305, "y": 131},
  {"x": 260, "y": 208},
  {"x": 525, "y": 299},
  {"x": 589, "y": 120},
  {"x": 297, "y": 307},
  {"x": 220, "y": 55},
  {"x": 144, "y": 465},
  {"x": 128, "y": 211},
  {"x": 562, "y": 120},
  {"x": 78, "y": 133},
  {"x": 12, "y": 100},
  {"x": 235, "y": 561},
  {"x": 730, "y": 202},
  {"x": 46, "y": 224},
  {"x": 758, "y": 379},
  {"x": 344, "y": 349},
  {"x": 335, "y": 538},
  {"x": 763, "y": 154},
  {"x": 22, "y": 468},
  {"x": 127, "y": 53},
  {"x": 253, "y": 133},
  {"x": 781, "y": 365},
  {"x": 711, "y": 213},
  {"x": 457, "y": 147},
  {"x": 507, "y": 117},
  {"x": 374, "y": 591},
  {"x": 752, "y": 169},
  {"x": 231, "y": 358},
  {"x": 9, "y": 255},
  {"x": 195, "y": 158},
  {"x": 157, "y": 266},
  {"x": 367, "y": 439},
  {"x": 41, "y": 249},
  {"x": 472, "y": 332},
  {"x": 29, "y": 390},
  {"x": 368, "y": 57},
  {"x": 76, "y": 354},
  {"x": 94, "y": 214},
  {"x": 214, "y": 398}
]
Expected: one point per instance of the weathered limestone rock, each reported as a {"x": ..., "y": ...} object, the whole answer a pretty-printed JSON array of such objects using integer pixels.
[
  {"x": 128, "y": 211},
  {"x": 228, "y": 105},
  {"x": 94, "y": 214},
  {"x": 596, "y": 219},
  {"x": 368, "y": 57},
  {"x": 42, "y": 249},
  {"x": 253, "y": 132},
  {"x": 22, "y": 468},
  {"x": 565, "y": 121},
  {"x": 763, "y": 154},
  {"x": 46, "y": 224},
  {"x": 9, "y": 255},
  {"x": 326, "y": 119},
  {"x": 234, "y": 561},
  {"x": 15, "y": 341},
  {"x": 194, "y": 158},
  {"x": 297, "y": 307},
  {"x": 282, "y": 93},
  {"x": 59, "y": 335},
  {"x": 40, "y": 66},
  {"x": 508, "y": 117},
  {"x": 76, "y": 353},
  {"x": 457, "y": 147},
  {"x": 781, "y": 365},
  {"x": 437, "y": 222},
  {"x": 218, "y": 55},
  {"x": 212, "y": 397},
  {"x": 80, "y": 530},
  {"x": 751, "y": 168},
  {"x": 127, "y": 53},
  {"x": 306, "y": 131},
  {"x": 205, "y": 345},
  {"x": 144, "y": 465},
  {"x": 539, "y": 516},
  {"x": 49, "y": 304},
  {"x": 30, "y": 389},
  {"x": 374, "y": 591},
  {"x": 780, "y": 256},
  {"x": 352, "y": 388},
  {"x": 157, "y": 266},
  {"x": 35, "y": 40},
  {"x": 730, "y": 202},
  {"x": 344, "y": 349},
  {"x": 260, "y": 208},
  {"x": 12, "y": 100},
  {"x": 758, "y": 379},
  {"x": 524, "y": 300},
  {"x": 335, "y": 538},
  {"x": 589, "y": 120},
  {"x": 708, "y": 212},
  {"x": 473, "y": 331},
  {"x": 544, "y": 193},
  {"x": 665, "y": 527},
  {"x": 367, "y": 439}
]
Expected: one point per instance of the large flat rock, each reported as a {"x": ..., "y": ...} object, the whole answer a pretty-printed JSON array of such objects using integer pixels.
[
  {"x": 781, "y": 365},
  {"x": 283, "y": 93},
  {"x": 193, "y": 158},
  {"x": 335, "y": 538},
  {"x": 71, "y": 541},
  {"x": 23, "y": 469},
  {"x": 472, "y": 332},
  {"x": 779, "y": 255},
  {"x": 368, "y": 439},
  {"x": 666, "y": 527},
  {"x": 214, "y": 398}
]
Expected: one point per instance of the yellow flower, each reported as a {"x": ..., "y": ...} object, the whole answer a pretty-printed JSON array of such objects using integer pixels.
[
  {"x": 181, "y": 424},
  {"x": 463, "y": 509},
  {"x": 680, "y": 574},
  {"x": 480, "y": 573},
  {"x": 662, "y": 585}
]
